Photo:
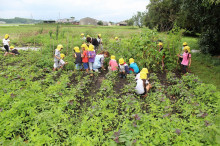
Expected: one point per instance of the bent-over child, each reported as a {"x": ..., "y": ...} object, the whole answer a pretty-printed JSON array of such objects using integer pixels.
[
  {"x": 62, "y": 62},
  {"x": 14, "y": 51},
  {"x": 133, "y": 68},
  {"x": 143, "y": 86},
  {"x": 6, "y": 43},
  {"x": 99, "y": 61},
  {"x": 123, "y": 68},
  {"x": 113, "y": 65}
]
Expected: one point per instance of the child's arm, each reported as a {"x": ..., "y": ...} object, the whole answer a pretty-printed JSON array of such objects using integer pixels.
[
  {"x": 180, "y": 56},
  {"x": 75, "y": 56},
  {"x": 190, "y": 61}
]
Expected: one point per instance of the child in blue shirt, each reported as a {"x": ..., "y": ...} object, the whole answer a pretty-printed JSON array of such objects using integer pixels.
[{"x": 133, "y": 68}]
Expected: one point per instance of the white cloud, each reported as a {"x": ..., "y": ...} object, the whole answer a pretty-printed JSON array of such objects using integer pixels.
[{"x": 107, "y": 10}]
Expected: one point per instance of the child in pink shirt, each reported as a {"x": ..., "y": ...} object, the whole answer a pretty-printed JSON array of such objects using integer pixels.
[
  {"x": 186, "y": 59},
  {"x": 113, "y": 64}
]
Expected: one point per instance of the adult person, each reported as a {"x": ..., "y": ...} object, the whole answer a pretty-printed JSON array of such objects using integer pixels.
[
  {"x": 94, "y": 42},
  {"x": 99, "y": 60},
  {"x": 6, "y": 43}
]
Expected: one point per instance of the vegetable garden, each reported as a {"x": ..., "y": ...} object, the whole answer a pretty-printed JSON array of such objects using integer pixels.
[{"x": 42, "y": 107}]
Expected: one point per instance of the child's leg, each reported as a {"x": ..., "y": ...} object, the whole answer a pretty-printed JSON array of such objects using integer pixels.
[
  {"x": 77, "y": 66},
  {"x": 90, "y": 66},
  {"x": 148, "y": 87}
]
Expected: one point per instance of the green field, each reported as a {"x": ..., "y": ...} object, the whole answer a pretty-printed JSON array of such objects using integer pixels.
[{"x": 69, "y": 107}]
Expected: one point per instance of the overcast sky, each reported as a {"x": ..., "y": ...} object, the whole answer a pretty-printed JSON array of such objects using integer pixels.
[{"x": 107, "y": 10}]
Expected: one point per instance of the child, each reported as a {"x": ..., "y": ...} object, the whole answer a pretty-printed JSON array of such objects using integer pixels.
[
  {"x": 62, "y": 62},
  {"x": 123, "y": 68},
  {"x": 6, "y": 43},
  {"x": 78, "y": 57},
  {"x": 143, "y": 70},
  {"x": 91, "y": 55},
  {"x": 143, "y": 86},
  {"x": 85, "y": 58},
  {"x": 14, "y": 51},
  {"x": 133, "y": 66},
  {"x": 99, "y": 61},
  {"x": 186, "y": 59},
  {"x": 99, "y": 39},
  {"x": 83, "y": 38},
  {"x": 182, "y": 51},
  {"x": 160, "y": 50},
  {"x": 57, "y": 57},
  {"x": 113, "y": 65}
]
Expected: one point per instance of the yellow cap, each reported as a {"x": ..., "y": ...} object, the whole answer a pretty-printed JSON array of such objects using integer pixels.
[
  {"x": 143, "y": 75},
  {"x": 82, "y": 34},
  {"x": 112, "y": 57},
  {"x": 185, "y": 44},
  {"x": 12, "y": 47},
  {"x": 116, "y": 38},
  {"x": 121, "y": 61},
  {"x": 62, "y": 55},
  {"x": 160, "y": 44},
  {"x": 59, "y": 47},
  {"x": 187, "y": 48},
  {"x": 88, "y": 35},
  {"x": 131, "y": 60},
  {"x": 6, "y": 36},
  {"x": 99, "y": 35},
  {"x": 77, "y": 49},
  {"x": 91, "y": 47},
  {"x": 145, "y": 70},
  {"x": 84, "y": 46}
]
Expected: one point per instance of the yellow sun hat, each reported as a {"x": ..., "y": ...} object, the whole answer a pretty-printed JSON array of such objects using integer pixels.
[
  {"x": 160, "y": 44},
  {"x": 59, "y": 47},
  {"x": 185, "y": 44},
  {"x": 91, "y": 47},
  {"x": 131, "y": 60},
  {"x": 12, "y": 47},
  {"x": 145, "y": 70},
  {"x": 84, "y": 46},
  {"x": 121, "y": 61},
  {"x": 99, "y": 35},
  {"x": 143, "y": 75},
  {"x": 62, "y": 55},
  {"x": 187, "y": 48},
  {"x": 112, "y": 57},
  {"x": 6, "y": 36},
  {"x": 116, "y": 38},
  {"x": 77, "y": 49},
  {"x": 88, "y": 35},
  {"x": 82, "y": 34}
]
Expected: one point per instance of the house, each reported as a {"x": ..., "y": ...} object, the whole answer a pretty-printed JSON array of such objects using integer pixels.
[
  {"x": 88, "y": 21},
  {"x": 49, "y": 21},
  {"x": 122, "y": 23},
  {"x": 71, "y": 20}
]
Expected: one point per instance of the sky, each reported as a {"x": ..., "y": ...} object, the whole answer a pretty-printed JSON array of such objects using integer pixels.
[{"x": 106, "y": 10}]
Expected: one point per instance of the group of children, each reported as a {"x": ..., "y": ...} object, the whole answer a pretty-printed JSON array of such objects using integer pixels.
[
  {"x": 184, "y": 56},
  {"x": 6, "y": 43},
  {"x": 88, "y": 60}
]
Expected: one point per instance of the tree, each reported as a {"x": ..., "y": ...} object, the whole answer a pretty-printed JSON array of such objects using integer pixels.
[
  {"x": 100, "y": 23},
  {"x": 130, "y": 22},
  {"x": 139, "y": 19}
]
